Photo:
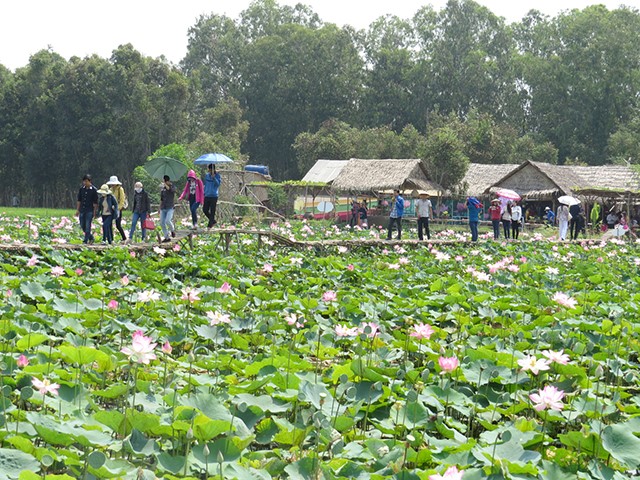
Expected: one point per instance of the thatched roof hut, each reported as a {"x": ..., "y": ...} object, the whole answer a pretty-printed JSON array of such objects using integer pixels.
[
  {"x": 544, "y": 181},
  {"x": 480, "y": 177},
  {"x": 325, "y": 171},
  {"x": 369, "y": 175}
]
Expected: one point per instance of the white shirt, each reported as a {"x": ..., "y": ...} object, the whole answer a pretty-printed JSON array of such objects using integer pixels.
[
  {"x": 516, "y": 213},
  {"x": 423, "y": 208}
]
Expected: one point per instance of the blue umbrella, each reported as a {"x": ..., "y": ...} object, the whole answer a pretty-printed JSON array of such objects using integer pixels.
[{"x": 215, "y": 158}]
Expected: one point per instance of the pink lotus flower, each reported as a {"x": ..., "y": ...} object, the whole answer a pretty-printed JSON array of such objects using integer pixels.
[
  {"x": 267, "y": 268},
  {"x": 141, "y": 349},
  {"x": 329, "y": 296},
  {"x": 160, "y": 251},
  {"x": 533, "y": 364},
  {"x": 166, "y": 348},
  {"x": 342, "y": 249},
  {"x": 8, "y": 293},
  {"x": 33, "y": 261},
  {"x": 448, "y": 364},
  {"x": 79, "y": 271},
  {"x": 373, "y": 327},
  {"x": 548, "y": 397},
  {"x": 125, "y": 280},
  {"x": 177, "y": 247},
  {"x": 344, "y": 331},
  {"x": 350, "y": 267},
  {"x": 45, "y": 386},
  {"x": 403, "y": 261},
  {"x": 294, "y": 320},
  {"x": 22, "y": 361},
  {"x": 225, "y": 288},
  {"x": 57, "y": 271},
  {"x": 422, "y": 330},
  {"x": 452, "y": 473},
  {"x": 190, "y": 294},
  {"x": 112, "y": 305},
  {"x": 558, "y": 357},
  {"x": 216, "y": 318},
  {"x": 132, "y": 254},
  {"x": 564, "y": 300},
  {"x": 393, "y": 266}
]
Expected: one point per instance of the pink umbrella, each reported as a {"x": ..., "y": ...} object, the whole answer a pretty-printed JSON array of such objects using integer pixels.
[{"x": 508, "y": 194}]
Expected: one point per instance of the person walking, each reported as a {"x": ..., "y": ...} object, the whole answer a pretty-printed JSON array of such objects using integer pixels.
[
  {"x": 516, "y": 219},
  {"x": 494, "y": 215},
  {"x": 574, "y": 210},
  {"x": 141, "y": 209},
  {"x": 212, "y": 181},
  {"x": 167, "y": 206},
  {"x": 506, "y": 220},
  {"x": 424, "y": 211},
  {"x": 395, "y": 217},
  {"x": 87, "y": 207},
  {"x": 563, "y": 216},
  {"x": 194, "y": 192},
  {"x": 121, "y": 197},
  {"x": 474, "y": 206},
  {"x": 108, "y": 210}
]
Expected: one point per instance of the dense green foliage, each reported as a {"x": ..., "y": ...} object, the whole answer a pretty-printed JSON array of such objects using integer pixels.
[
  {"x": 279, "y": 86},
  {"x": 504, "y": 360}
]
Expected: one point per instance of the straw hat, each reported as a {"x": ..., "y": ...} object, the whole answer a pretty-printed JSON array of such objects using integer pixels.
[
  {"x": 113, "y": 180},
  {"x": 104, "y": 190},
  {"x": 495, "y": 200}
]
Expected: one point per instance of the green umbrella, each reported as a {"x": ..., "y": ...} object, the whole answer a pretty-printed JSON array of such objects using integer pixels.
[{"x": 160, "y": 166}]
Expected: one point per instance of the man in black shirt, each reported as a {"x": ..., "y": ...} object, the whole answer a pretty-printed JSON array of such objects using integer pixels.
[{"x": 87, "y": 207}]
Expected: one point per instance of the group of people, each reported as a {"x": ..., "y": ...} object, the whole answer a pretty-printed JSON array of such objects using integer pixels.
[
  {"x": 509, "y": 214},
  {"x": 424, "y": 211},
  {"x": 359, "y": 214},
  {"x": 110, "y": 200}
]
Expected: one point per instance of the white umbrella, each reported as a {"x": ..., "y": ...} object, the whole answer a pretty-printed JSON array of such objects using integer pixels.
[
  {"x": 568, "y": 200},
  {"x": 508, "y": 194}
]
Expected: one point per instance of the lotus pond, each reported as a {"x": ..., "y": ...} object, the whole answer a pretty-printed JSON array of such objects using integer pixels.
[{"x": 488, "y": 360}]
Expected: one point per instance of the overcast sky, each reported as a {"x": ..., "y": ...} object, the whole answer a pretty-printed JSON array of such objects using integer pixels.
[{"x": 159, "y": 27}]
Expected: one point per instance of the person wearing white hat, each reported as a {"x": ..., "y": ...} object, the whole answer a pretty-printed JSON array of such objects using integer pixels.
[
  {"x": 121, "y": 197},
  {"x": 108, "y": 209}
]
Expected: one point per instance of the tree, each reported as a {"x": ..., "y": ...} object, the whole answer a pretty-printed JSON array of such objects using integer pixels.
[
  {"x": 580, "y": 69},
  {"x": 294, "y": 81},
  {"x": 624, "y": 143},
  {"x": 445, "y": 158}
]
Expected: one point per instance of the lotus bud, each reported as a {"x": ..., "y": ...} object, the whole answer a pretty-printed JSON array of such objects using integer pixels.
[{"x": 206, "y": 450}]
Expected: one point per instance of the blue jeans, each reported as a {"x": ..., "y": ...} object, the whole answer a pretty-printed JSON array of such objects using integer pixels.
[
  {"x": 134, "y": 219},
  {"x": 107, "y": 228},
  {"x": 473, "y": 226},
  {"x": 496, "y": 229},
  {"x": 166, "y": 219},
  {"x": 194, "y": 212},
  {"x": 86, "y": 218}
]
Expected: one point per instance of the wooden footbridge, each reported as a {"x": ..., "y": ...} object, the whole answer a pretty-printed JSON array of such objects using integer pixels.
[{"x": 225, "y": 237}]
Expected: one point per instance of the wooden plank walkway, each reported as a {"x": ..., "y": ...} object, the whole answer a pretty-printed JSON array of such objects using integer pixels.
[{"x": 226, "y": 236}]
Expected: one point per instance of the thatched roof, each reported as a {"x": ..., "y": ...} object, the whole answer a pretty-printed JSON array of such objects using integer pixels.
[
  {"x": 481, "y": 176},
  {"x": 325, "y": 171},
  {"x": 537, "y": 180},
  {"x": 369, "y": 175},
  {"x": 615, "y": 178}
]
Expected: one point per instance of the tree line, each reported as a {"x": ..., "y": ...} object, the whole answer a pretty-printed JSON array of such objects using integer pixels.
[{"x": 279, "y": 86}]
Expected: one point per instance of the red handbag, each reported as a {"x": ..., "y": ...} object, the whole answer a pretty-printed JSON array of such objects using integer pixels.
[{"x": 148, "y": 224}]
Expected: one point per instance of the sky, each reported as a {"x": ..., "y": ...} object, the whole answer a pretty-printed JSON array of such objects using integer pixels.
[{"x": 159, "y": 27}]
